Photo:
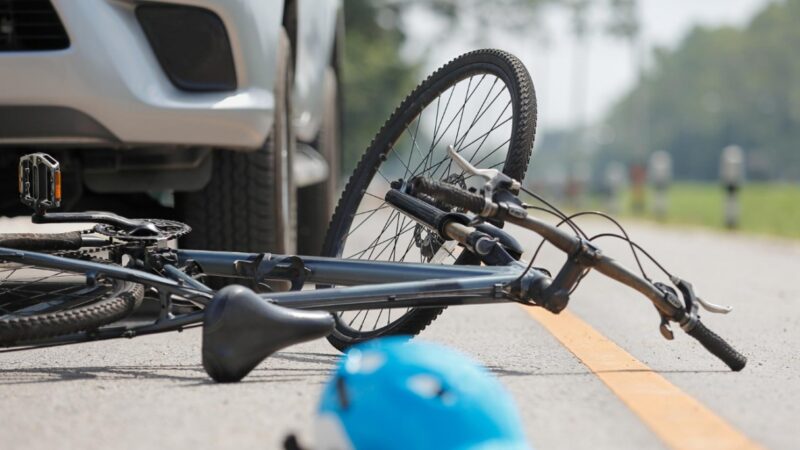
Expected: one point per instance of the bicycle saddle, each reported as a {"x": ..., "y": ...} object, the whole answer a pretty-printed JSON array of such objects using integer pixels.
[{"x": 240, "y": 329}]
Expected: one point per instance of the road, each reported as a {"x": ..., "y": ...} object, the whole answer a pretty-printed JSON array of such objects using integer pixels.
[{"x": 151, "y": 392}]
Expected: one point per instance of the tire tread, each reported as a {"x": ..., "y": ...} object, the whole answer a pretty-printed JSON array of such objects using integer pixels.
[{"x": 523, "y": 134}]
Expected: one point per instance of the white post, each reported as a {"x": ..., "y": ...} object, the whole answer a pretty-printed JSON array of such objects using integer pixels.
[
  {"x": 615, "y": 183},
  {"x": 731, "y": 172},
  {"x": 556, "y": 181},
  {"x": 581, "y": 176},
  {"x": 660, "y": 172}
]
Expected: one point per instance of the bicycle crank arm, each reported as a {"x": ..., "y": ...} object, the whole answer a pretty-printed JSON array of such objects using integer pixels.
[{"x": 133, "y": 226}]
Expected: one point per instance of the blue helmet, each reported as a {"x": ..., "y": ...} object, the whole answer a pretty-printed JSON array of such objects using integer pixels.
[{"x": 391, "y": 394}]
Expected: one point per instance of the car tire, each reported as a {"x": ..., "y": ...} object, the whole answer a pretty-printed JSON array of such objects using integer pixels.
[
  {"x": 316, "y": 202},
  {"x": 249, "y": 203}
]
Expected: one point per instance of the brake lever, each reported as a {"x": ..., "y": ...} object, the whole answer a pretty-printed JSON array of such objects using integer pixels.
[
  {"x": 494, "y": 178},
  {"x": 664, "y": 327},
  {"x": 713, "y": 307},
  {"x": 465, "y": 165},
  {"x": 691, "y": 303},
  {"x": 693, "y": 300}
]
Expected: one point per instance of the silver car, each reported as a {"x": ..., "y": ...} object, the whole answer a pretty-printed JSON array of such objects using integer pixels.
[{"x": 227, "y": 109}]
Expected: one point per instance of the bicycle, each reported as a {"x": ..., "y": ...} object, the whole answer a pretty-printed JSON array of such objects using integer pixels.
[{"x": 448, "y": 205}]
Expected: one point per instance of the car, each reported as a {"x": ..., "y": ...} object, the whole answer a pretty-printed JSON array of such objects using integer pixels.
[{"x": 225, "y": 110}]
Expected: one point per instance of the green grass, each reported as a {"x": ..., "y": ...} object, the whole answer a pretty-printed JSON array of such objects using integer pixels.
[{"x": 766, "y": 208}]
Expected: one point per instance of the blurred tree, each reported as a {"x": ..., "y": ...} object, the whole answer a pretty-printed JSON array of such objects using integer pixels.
[
  {"x": 374, "y": 76},
  {"x": 721, "y": 86},
  {"x": 624, "y": 24},
  {"x": 513, "y": 16},
  {"x": 624, "y": 21}
]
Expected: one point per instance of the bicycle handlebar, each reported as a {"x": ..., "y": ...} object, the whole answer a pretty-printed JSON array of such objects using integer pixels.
[
  {"x": 70, "y": 240},
  {"x": 450, "y": 194},
  {"x": 718, "y": 346},
  {"x": 667, "y": 305}
]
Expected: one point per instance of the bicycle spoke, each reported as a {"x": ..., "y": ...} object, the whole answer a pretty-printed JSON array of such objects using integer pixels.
[
  {"x": 459, "y": 141},
  {"x": 385, "y": 227},
  {"x": 361, "y": 327},
  {"x": 355, "y": 317},
  {"x": 469, "y": 95},
  {"x": 475, "y": 120},
  {"x": 373, "y": 245},
  {"x": 382, "y": 206},
  {"x": 461, "y": 117},
  {"x": 408, "y": 248},
  {"x": 380, "y": 311},
  {"x": 365, "y": 219},
  {"x": 474, "y": 115},
  {"x": 495, "y": 125},
  {"x": 27, "y": 290},
  {"x": 444, "y": 113},
  {"x": 493, "y": 152}
]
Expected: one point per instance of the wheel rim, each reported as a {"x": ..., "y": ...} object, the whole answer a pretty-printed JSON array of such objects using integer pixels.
[
  {"x": 475, "y": 115},
  {"x": 28, "y": 290}
]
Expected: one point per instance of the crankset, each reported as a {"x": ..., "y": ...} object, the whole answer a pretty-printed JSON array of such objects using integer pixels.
[
  {"x": 152, "y": 230},
  {"x": 40, "y": 189}
]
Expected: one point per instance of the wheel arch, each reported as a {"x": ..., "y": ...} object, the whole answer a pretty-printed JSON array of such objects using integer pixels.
[{"x": 318, "y": 34}]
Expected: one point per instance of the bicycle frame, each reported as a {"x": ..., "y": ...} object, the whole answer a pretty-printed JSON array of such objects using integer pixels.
[
  {"x": 379, "y": 285},
  {"x": 367, "y": 284},
  {"x": 373, "y": 284}
]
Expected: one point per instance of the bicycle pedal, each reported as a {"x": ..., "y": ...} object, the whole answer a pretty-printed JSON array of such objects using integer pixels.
[{"x": 39, "y": 182}]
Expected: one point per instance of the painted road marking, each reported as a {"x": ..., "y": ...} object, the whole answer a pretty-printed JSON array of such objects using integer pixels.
[{"x": 674, "y": 416}]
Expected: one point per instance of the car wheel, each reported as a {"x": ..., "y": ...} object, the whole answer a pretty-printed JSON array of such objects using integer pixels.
[{"x": 249, "y": 203}]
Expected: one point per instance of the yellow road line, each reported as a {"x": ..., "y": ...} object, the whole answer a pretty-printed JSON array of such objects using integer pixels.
[{"x": 675, "y": 417}]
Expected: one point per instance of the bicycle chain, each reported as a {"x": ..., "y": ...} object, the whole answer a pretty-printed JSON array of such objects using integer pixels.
[
  {"x": 88, "y": 251},
  {"x": 170, "y": 230}
]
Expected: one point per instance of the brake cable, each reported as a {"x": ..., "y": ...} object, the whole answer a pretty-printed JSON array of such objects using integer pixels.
[
  {"x": 638, "y": 247},
  {"x": 553, "y": 210}
]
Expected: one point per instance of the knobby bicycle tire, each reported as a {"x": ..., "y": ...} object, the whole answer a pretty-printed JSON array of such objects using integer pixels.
[
  {"x": 121, "y": 298},
  {"x": 501, "y": 65}
]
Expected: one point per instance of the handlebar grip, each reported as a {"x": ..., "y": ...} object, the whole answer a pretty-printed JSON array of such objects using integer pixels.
[
  {"x": 718, "y": 347},
  {"x": 449, "y": 194},
  {"x": 70, "y": 240}
]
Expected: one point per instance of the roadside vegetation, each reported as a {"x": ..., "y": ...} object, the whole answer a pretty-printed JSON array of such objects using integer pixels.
[
  {"x": 766, "y": 208},
  {"x": 720, "y": 86}
]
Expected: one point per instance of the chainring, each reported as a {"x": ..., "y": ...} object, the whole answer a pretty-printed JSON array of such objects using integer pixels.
[{"x": 167, "y": 230}]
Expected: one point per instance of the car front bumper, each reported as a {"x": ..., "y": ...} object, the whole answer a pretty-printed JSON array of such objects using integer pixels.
[{"x": 110, "y": 76}]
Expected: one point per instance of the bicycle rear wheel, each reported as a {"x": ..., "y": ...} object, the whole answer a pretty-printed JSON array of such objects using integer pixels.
[
  {"x": 483, "y": 104},
  {"x": 40, "y": 302}
]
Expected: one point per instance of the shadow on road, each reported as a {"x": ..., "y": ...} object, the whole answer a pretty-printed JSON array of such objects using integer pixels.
[
  {"x": 281, "y": 367},
  {"x": 273, "y": 372}
]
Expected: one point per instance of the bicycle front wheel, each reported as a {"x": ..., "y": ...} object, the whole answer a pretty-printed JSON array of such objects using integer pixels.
[{"x": 481, "y": 103}]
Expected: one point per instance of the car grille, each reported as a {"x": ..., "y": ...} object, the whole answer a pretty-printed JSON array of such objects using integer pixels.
[{"x": 30, "y": 25}]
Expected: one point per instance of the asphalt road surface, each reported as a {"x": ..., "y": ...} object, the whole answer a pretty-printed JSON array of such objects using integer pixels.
[{"x": 152, "y": 392}]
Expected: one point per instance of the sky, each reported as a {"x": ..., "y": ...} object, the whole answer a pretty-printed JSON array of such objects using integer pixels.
[{"x": 605, "y": 66}]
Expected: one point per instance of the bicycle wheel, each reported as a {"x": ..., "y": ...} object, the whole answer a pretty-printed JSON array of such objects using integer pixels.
[
  {"x": 483, "y": 104},
  {"x": 38, "y": 302}
]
